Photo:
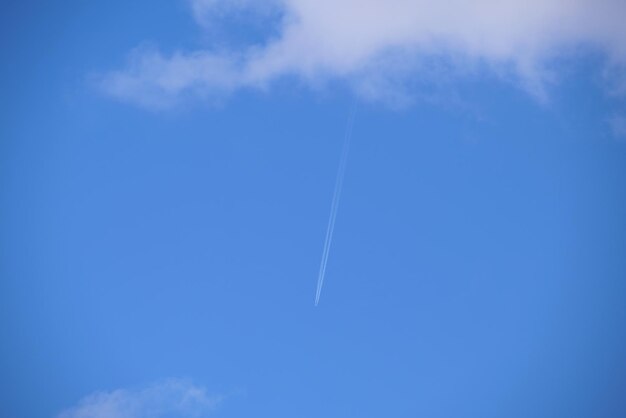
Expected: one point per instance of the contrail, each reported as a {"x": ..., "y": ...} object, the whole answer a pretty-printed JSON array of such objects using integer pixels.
[{"x": 335, "y": 203}]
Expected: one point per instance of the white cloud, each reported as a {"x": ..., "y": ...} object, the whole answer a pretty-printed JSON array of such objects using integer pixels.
[
  {"x": 374, "y": 43},
  {"x": 171, "y": 398},
  {"x": 153, "y": 80}
]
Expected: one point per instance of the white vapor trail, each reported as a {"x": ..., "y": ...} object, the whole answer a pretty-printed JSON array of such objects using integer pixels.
[{"x": 335, "y": 203}]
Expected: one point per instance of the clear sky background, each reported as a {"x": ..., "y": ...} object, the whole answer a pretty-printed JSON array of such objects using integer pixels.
[{"x": 160, "y": 240}]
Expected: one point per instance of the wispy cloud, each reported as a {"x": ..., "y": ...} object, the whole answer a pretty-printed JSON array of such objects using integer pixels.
[
  {"x": 372, "y": 44},
  {"x": 207, "y": 12},
  {"x": 618, "y": 125},
  {"x": 171, "y": 398}
]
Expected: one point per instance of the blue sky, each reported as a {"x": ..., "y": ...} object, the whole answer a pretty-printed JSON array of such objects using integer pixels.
[{"x": 166, "y": 175}]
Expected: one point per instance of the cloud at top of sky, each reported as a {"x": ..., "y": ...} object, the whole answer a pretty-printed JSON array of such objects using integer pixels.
[
  {"x": 377, "y": 45},
  {"x": 171, "y": 398}
]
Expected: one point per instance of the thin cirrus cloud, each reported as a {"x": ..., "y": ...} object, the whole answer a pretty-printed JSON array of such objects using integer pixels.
[
  {"x": 378, "y": 45},
  {"x": 173, "y": 398},
  {"x": 618, "y": 125}
]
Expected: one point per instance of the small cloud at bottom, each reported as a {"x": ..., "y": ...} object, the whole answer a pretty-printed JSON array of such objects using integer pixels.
[{"x": 171, "y": 398}]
